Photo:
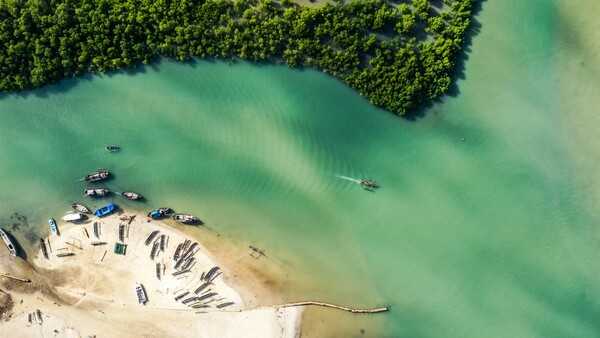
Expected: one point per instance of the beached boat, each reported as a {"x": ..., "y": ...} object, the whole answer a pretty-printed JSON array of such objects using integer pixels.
[
  {"x": 185, "y": 218},
  {"x": 81, "y": 208},
  {"x": 97, "y": 176},
  {"x": 106, "y": 210},
  {"x": 96, "y": 192},
  {"x": 53, "y": 226},
  {"x": 72, "y": 217},
  {"x": 158, "y": 213},
  {"x": 113, "y": 148},
  {"x": 131, "y": 195},
  {"x": 369, "y": 184},
  {"x": 9, "y": 244},
  {"x": 140, "y": 293}
]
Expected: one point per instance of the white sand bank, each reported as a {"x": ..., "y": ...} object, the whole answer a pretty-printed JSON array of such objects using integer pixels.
[{"x": 92, "y": 292}]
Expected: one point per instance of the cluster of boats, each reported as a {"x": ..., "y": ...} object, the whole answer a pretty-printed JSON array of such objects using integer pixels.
[
  {"x": 168, "y": 212},
  {"x": 99, "y": 192}
]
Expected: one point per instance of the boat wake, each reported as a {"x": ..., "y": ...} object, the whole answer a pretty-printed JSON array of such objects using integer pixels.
[{"x": 349, "y": 179}]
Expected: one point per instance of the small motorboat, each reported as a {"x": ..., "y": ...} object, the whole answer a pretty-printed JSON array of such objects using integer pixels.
[
  {"x": 53, "y": 226},
  {"x": 81, "y": 208},
  {"x": 185, "y": 218},
  {"x": 106, "y": 210},
  {"x": 96, "y": 192},
  {"x": 140, "y": 293},
  {"x": 113, "y": 148},
  {"x": 369, "y": 184},
  {"x": 97, "y": 176},
  {"x": 72, "y": 217},
  {"x": 9, "y": 244},
  {"x": 132, "y": 195},
  {"x": 158, "y": 213}
]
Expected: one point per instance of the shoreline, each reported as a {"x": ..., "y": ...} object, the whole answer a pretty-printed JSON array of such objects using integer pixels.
[{"x": 90, "y": 290}]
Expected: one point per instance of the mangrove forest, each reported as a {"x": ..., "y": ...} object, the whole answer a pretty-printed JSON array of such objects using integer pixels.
[{"x": 398, "y": 54}]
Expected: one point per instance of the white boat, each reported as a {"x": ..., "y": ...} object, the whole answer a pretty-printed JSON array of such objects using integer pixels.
[
  {"x": 131, "y": 195},
  {"x": 140, "y": 293},
  {"x": 96, "y": 192},
  {"x": 72, "y": 217},
  {"x": 185, "y": 218},
  {"x": 9, "y": 243}
]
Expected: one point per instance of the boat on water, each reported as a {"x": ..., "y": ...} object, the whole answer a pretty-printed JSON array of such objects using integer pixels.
[
  {"x": 9, "y": 244},
  {"x": 113, "y": 148},
  {"x": 105, "y": 210},
  {"x": 96, "y": 192},
  {"x": 160, "y": 212},
  {"x": 132, "y": 195},
  {"x": 185, "y": 218},
  {"x": 140, "y": 293},
  {"x": 368, "y": 183},
  {"x": 81, "y": 208},
  {"x": 97, "y": 176},
  {"x": 53, "y": 226},
  {"x": 72, "y": 217}
]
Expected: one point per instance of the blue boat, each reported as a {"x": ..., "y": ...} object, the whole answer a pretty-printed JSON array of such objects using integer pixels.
[
  {"x": 158, "y": 213},
  {"x": 53, "y": 226},
  {"x": 105, "y": 210}
]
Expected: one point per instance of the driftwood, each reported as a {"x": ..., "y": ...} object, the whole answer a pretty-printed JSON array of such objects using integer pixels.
[{"x": 16, "y": 278}]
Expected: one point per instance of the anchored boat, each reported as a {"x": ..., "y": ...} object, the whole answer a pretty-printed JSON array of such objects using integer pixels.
[
  {"x": 97, "y": 176},
  {"x": 106, "y": 210},
  {"x": 132, "y": 195},
  {"x": 53, "y": 226},
  {"x": 96, "y": 192},
  {"x": 113, "y": 148},
  {"x": 9, "y": 244},
  {"x": 158, "y": 213},
  {"x": 185, "y": 218},
  {"x": 140, "y": 293},
  {"x": 81, "y": 208}
]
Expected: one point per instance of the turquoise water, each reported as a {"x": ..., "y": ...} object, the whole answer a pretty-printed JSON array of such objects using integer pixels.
[{"x": 493, "y": 235}]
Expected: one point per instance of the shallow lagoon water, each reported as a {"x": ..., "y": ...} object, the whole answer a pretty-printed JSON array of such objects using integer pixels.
[{"x": 493, "y": 235}]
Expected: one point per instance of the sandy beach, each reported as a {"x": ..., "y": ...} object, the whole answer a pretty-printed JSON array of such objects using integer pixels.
[{"x": 84, "y": 288}]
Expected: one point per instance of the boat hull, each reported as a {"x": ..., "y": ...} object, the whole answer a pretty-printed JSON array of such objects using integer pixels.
[
  {"x": 104, "y": 211},
  {"x": 185, "y": 218},
  {"x": 73, "y": 217},
  {"x": 132, "y": 195},
  {"x": 158, "y": 213},
  {"x": 9, "y": 244},
  {"x": 53, "y": 226},
  {"x": 141, "y": 294},
  {"x": 81, "y": 208},
  {"x": 96, "y": 192},
  {"x": 97, "y": 176}
]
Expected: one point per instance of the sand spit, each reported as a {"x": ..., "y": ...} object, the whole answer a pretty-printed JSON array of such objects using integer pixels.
[{"x": 86, "y": 289}]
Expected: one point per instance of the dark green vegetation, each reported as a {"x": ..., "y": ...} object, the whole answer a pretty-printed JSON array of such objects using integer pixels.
[{"x": 397, "y": 54}]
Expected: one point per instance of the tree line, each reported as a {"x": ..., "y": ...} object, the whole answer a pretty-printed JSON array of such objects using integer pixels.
[{"x": 396, "y": 54}]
